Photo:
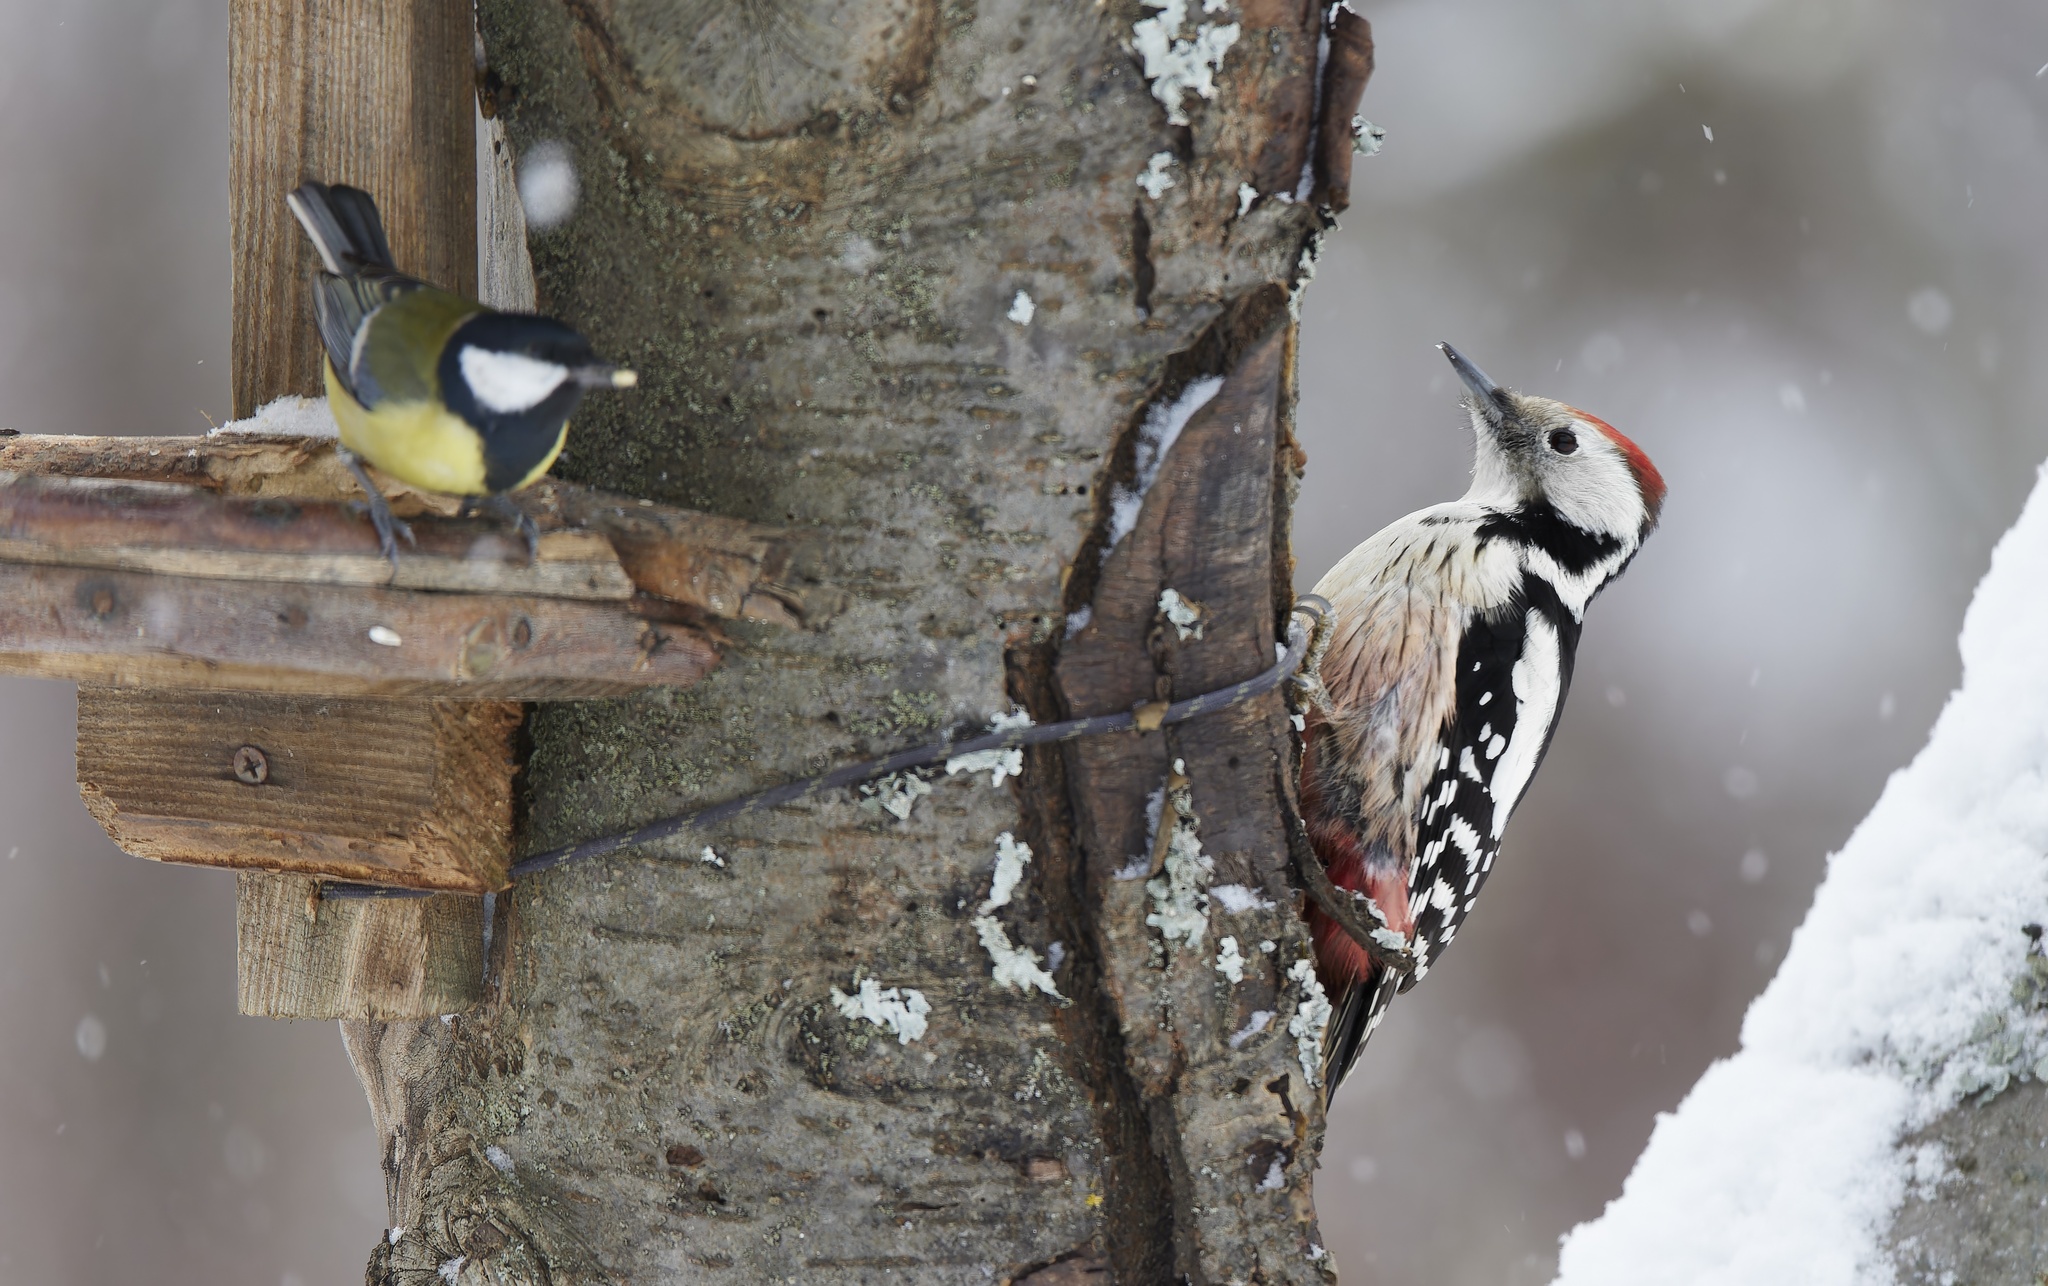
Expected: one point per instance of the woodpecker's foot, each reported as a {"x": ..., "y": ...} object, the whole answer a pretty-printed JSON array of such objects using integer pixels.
[
  {"x": 389, "y": 528},
  {"x": 529, "y": 531},
  {"x": 1355, "y": 915}
]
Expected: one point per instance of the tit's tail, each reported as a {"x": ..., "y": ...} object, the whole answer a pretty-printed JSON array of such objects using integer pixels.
[{"x": 343, "y": 224}]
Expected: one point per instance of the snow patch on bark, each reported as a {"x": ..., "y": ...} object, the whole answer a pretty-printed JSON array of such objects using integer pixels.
[
  {"x": 900, "y": 1011},
  {"x": 1155, "y": 179},
  {"x": 1175, "y": 65},
  {"x": 1240, "y": 898},
  {"x": 289, "y": 416},
  {"x": 1184, "y": 614},
  {"x": 1259, "y": 1021},
  {"x": 1011, "y": 858},
  {"x": 1229, "y": 960},
  {"x": 1156, "y": 436},
  {"x": 1911, "y": 985},
  {"x": 1013, "y": 966}
]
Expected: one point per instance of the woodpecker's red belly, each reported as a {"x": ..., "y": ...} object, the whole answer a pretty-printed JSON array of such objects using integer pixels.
[{"x": 1338, "y": 958}]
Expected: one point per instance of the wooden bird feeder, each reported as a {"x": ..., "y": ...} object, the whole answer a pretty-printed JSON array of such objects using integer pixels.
[{"x": 257, "y": 688}]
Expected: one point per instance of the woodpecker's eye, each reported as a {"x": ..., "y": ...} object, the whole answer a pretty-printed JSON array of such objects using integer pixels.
[{"x": 1563, "y": 441}]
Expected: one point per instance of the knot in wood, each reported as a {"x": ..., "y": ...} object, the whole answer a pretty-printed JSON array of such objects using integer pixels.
[
  {"x": 98, "y": 598},
  {"x": 252, "y": 766}
]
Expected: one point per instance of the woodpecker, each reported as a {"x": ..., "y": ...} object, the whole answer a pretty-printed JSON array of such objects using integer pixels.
[{"x": 1438, "y": 686}]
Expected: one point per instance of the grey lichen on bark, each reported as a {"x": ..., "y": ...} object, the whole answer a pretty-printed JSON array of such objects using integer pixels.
[
  {"x": 812, "y": 228},
  {"x": 1978, "y": 1211},
  {"x": 1985, "y": 1221}
]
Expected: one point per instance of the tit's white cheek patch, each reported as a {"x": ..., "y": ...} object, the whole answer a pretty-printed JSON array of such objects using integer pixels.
[{"x": 508, "y": 383}]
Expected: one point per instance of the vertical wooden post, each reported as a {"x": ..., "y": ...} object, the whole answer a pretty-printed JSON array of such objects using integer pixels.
[{"x": 379, "y": 94}]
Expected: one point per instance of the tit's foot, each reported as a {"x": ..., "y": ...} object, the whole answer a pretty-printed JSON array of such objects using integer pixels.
[
  {"x": 529, "y": 530},
  {"x": 389, "y": 528}
]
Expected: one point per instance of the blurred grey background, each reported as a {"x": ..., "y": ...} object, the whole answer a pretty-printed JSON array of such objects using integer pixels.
[{"x": 1818, "y": 321}]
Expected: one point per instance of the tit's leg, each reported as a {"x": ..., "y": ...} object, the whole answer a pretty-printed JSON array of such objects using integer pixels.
[
  {"x": 529, "y": 531},
  {"x": 389, "y": 528}
]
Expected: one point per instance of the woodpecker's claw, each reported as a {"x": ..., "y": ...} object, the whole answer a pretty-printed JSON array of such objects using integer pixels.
[
  {"x": 1373, "y": 939},
  {"x": 389, "y": 528}
]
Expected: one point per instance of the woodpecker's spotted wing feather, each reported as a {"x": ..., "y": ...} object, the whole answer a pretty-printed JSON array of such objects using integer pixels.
[{"x": 1514, "y": 666}]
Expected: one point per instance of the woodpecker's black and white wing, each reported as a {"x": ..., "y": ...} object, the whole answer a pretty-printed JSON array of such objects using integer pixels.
[{"x": 1513, "y": 670}]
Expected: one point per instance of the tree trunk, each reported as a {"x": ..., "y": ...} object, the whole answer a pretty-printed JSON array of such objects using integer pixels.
[
  {"x": 1982, "y": 1222},
  {"x": 888, "y": 277}
]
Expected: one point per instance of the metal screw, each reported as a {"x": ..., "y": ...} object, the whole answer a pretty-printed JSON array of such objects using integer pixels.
[{"x": 251, "y": 766}]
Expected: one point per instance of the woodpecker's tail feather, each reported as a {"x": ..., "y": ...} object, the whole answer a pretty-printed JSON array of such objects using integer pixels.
[
  {"x": 1354, "y": 1014},
  {"x": 344, "y": 226}
]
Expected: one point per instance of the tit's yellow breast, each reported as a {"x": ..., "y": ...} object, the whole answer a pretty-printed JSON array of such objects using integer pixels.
[{"x": 422, "y": 444}]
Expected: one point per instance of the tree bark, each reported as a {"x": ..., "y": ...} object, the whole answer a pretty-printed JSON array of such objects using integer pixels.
[
  {"x": 809, "y": 226},
  {"x": 1982, "y": 1222}
]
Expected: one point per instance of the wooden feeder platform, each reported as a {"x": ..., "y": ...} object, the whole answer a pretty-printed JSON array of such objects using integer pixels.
[
  {"x": 242, "y": 563},
  {"x": 260, "y": 689}
]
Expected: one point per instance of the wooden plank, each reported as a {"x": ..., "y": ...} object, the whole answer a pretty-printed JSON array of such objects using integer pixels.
[
  {"x": 298, "y": 956},
  {"x": 376, "y": 93},
  {"x": 183, "y": 531},
  {"x": 234, "y": 464},
  {"x": 133, "y": 630},
  {"x": 727, "y": 567},
  {"x": 379, "y": 94},
  {"x": 404, "y": 792}
]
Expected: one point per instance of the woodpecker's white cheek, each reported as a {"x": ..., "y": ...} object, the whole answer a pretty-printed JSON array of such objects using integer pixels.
[
  {"x": 508, "y": 383},
  {"x": 1594, "y": 490},
  {"x": 1537, "y": 678}
]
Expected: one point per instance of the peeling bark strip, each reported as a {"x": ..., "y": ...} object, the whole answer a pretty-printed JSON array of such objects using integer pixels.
[
  {"x": 1344, "y": 78},
  {"x": 1230, "y": 1116},
  {"x": 807, "y": 225}
]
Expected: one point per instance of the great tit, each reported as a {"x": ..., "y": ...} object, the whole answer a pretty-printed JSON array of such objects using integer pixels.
[{"x": 441, "y": 393}]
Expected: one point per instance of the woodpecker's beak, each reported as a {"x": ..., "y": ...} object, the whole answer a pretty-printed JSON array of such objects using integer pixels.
[
  {"x": 1495, "y": 401},
  {"x": 598, "y": 375}
]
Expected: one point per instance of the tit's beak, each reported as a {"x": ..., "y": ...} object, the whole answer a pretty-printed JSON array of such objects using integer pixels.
[
  {"x": 599, "y": 375},
  {"x": 1496, "y": 402}
]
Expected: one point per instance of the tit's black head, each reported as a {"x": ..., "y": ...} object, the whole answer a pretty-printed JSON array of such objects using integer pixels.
[{"x": 517, "y": 378}]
